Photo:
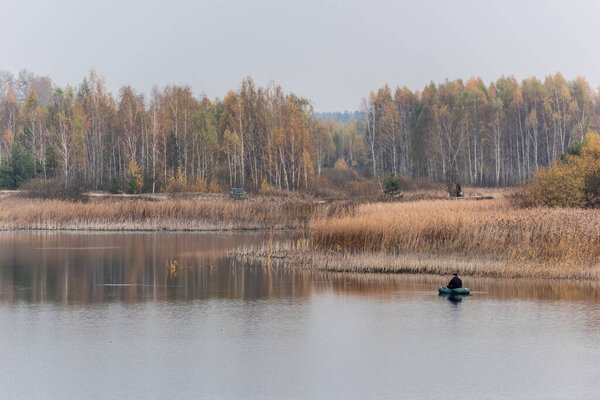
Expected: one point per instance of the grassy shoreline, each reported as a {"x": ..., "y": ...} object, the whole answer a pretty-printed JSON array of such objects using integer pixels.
[
  {"x": 435, "y": 236},
  {"x": 431, "y": 264},
  {"x": 487, "y": 229},
  {"x": 483, "y": 238},
  {"x": 208, "y": 214},
  {"x": 185, "y": 212}
]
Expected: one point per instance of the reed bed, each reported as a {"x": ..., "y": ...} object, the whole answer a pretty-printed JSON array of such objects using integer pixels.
[
  {"x": 493, "y": 229},
  {"x": 479, "y": 238},
  {"x": 172, "y": 214},
  {"x": 286, "y": 256}
]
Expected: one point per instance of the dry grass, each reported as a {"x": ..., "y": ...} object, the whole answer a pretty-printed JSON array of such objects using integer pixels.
[
  {"x": 481, "y": 238},
  {"x": 413, "y": 263},
  {"x": 465, "y": 228},
  {"x": 485, "y": 238},
  {"x": 440, "y": 193},
  {"x": 174, "y": 214}
]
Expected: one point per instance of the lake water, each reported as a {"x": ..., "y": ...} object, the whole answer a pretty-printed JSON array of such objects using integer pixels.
[{"x": 169, "y": 316}]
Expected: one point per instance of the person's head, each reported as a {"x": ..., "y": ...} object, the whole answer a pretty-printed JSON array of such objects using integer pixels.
[{"x": 455, "y": 274}]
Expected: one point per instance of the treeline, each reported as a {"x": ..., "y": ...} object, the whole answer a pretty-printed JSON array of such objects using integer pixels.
[
  {"x": 338, "y": 116},
  {"x": 83, "y": 136},
  {"x": 497, "y": 134},
  {"x": 486, "y": 135}
]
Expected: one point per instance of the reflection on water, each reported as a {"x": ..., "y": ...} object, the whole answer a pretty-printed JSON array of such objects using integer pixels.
[
  {"x": 169, "y": 315},
  {"x": 94, "y": 267},
  {"x": 453, "y": 298}
]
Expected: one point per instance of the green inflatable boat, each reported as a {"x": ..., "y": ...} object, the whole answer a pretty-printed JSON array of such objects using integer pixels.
[{"x": 463, "y": 290}]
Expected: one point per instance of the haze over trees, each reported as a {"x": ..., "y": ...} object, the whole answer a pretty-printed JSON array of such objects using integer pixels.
[{"x": 487, "y": 135}]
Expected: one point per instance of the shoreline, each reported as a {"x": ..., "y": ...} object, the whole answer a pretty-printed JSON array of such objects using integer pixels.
[
  {"x": 492, "y": 238},
  {"x": 150, "y": 230},
  {"x": 417, "y": 263},
  {"x": 177, "y": 215}
]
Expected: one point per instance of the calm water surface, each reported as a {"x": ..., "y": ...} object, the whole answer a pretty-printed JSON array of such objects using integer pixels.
[{"x": 169, "y": 316}]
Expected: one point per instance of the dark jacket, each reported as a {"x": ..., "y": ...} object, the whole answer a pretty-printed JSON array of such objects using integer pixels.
[{"x": 454, "y": 283}]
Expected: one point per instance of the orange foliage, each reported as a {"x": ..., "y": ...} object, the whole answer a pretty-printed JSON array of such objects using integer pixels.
[{"x": 573, "y": 181}]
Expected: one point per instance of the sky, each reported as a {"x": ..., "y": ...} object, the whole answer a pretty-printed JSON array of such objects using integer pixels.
[{"x": 331, "y": 52}]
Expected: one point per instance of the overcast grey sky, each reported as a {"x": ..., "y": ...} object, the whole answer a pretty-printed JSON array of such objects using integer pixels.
[{"x": 332, "y": 52}]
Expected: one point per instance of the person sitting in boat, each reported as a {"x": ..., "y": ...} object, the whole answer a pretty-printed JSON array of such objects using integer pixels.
[{"x": 455, "y": 282}]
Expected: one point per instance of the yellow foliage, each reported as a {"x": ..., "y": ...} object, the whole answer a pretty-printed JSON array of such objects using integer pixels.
[
  {"x": 268, "y": 190},
  {"x": 340, "y": 164},
  {"x": 198, "y": 186},
  {"x": 214, "y": 187},
  {"x": 177, "y": 183},
  {"x": 264, "y": 186},
  {"x": 180, "y": 184},
  {"x": 8, "y": 137},
  {"x": 308, "y": 163},
  {"x": 561, "y": 185},
  {"x": 573, "y": 181},
  {"x": 135, "y": 182},
  {"x": 591, "y": 148}
]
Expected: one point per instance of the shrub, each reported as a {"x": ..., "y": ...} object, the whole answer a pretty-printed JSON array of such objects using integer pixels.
[
  {"x": 198, "y": 186},
  {"x": 133, "y": 185},
  {"x": 322, "y": 187},
  {"x": 180, "y": 184},
  {"x": 366, "y": 189},
  {"x": 572, "y": 181},
  {"x": 341, "y": 164},
  {"x": 392, "y": 185},
  {"x": 268, "y": 190},
  {"x": 519, "y": 197},
  {"x": 561, "y": 185},
  {"x": 114, "y": 186},
  {"x": 340, "y": 176},
  {"x": 214, "y": 187},
  {"x": 54, "y": 189},
  {"x": 403, "y": 183},
  {"x": 134, "y": 181}
]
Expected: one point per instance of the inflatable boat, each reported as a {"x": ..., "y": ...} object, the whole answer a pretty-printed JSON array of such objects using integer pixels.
[{"x": 445, "y": 290}]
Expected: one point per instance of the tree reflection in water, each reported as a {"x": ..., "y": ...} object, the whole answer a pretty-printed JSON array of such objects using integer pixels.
[{"x": 129, "y": 267}]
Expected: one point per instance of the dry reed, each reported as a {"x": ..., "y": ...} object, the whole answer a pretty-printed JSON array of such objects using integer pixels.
[
  {"x": 465, "y": 228},
  {"x": 481, "y": 238},
  {"x": 414, "y": 263},
  {"x": 173, "y": 214}
]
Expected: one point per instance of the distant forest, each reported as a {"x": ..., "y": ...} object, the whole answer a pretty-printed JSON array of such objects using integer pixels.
[
  {"x": 494, "y": 134},
  {"x": 338, "y": 116}
]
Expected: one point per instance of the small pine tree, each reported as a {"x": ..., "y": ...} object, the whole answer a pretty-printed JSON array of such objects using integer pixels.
[
  {"x": 391, "y": 185},
  {"x": 134, "y": 182},
  {"x": 18, "y": 169},
  {"x": 133, "y": 185},
  {"x": 51, "y": 162},
  {"x": 114, "y": 185}
]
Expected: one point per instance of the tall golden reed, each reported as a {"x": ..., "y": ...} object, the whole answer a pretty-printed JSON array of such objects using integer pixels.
[
  {"x": 172, "y": 214},
  {"x": 469, "y": 228}
]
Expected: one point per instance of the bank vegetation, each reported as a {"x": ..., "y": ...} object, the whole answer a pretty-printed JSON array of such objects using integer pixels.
[
  {"x": 83, "y": 137},
  {"x": 149, "y": 214},
  {"x": 485, "y": 238}
]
